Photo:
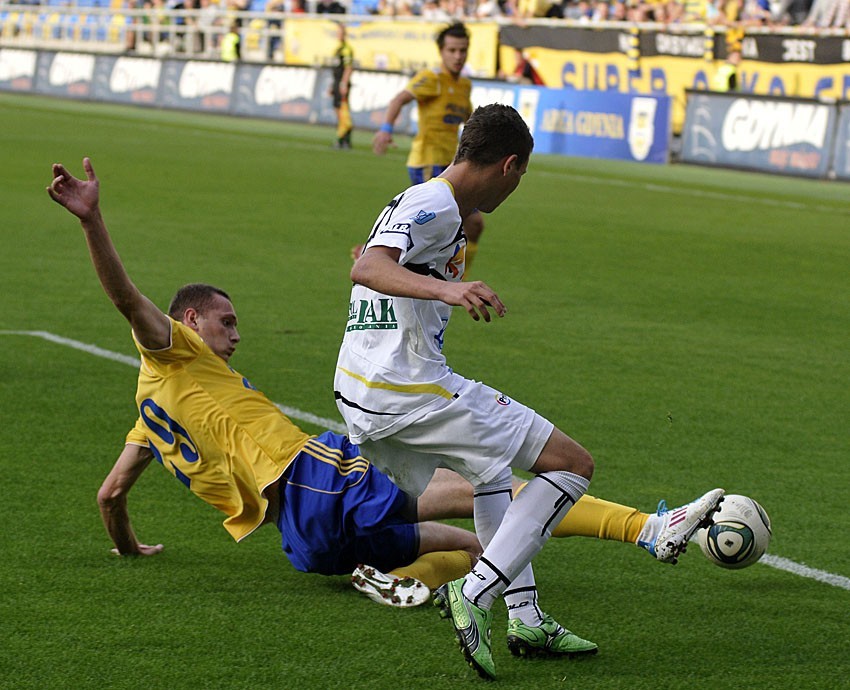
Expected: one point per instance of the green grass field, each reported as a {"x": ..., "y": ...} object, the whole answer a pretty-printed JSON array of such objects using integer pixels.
[{"x": 688, "y": 326}]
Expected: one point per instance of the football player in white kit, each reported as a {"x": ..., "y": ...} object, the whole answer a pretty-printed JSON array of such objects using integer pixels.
[{"x": 410, "y": 413}]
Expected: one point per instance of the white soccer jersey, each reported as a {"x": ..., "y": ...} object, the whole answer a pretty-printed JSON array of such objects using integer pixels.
[{"x": 391, "y": 370}]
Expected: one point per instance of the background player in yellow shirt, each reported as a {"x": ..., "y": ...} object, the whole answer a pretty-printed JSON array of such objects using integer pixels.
[
  {"x": 343, "y": 68},
  {"x": 232, "y": 447},
  {"x": 442, "y": 95}
]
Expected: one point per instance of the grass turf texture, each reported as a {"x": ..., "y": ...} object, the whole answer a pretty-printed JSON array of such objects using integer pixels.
[{"x": 688, "y": 326}]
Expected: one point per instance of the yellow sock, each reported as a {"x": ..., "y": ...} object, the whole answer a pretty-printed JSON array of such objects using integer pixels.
[
  {"x": 595, "y": 517},
  {"x": 600, "y": 519},
  {"x": 471, "y": 251},
  {"x": 344, "y": 124},
  {"x": 437, "y": 568}
]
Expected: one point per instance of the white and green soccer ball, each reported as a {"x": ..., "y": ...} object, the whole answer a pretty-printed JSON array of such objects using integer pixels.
[{"x": 739, "y": 534}]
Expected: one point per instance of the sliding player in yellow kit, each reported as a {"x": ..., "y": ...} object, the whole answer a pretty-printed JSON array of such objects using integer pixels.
[{"x": 231, "y": 446}]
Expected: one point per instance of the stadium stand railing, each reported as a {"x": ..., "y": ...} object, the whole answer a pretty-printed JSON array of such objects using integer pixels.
[{"x": 124, "y": 26}]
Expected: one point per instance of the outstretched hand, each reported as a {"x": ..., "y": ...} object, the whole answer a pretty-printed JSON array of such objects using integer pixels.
[
  {"x": 476, "y": 297},
  {"x": 80, "y": 197}
]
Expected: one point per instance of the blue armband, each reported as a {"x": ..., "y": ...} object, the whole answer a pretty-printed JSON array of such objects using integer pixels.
[{"x": 386, "y": 127}]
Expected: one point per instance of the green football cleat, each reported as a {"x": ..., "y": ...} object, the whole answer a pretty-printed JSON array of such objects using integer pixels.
[
  {"x": 549, "y": 638},
  {"x": 472, "y": 626}
]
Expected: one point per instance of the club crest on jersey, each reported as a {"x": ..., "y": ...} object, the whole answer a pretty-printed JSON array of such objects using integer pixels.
[
  {"x": 503, "y": 399},
  {"x": 424, "y": 217}
]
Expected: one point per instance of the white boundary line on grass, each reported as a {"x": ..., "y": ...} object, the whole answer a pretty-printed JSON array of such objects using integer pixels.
[
  {"x": 773, "y": 561},
  {"x": 805, "y": 571},
  {"x": 134, "y": 362}
]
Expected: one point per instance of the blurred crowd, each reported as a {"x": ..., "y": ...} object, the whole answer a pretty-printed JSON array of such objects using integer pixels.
[
  {"x": 746, "y": 13},
  {"x": 815, "y": 14}
]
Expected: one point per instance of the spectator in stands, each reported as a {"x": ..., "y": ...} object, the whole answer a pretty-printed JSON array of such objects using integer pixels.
[
  {"x": 724, "y": 12},
  {"x": 184, "y": 23},
  {"x": 209, "y": 16},
  {"x": 275, "y": 25},
  {"x": 160, "y": 20},
  {"x": 676, "y": 10},
  {"x": 558, "y": 10},
  {"x": 755, "y": 13},
  {"x": 687, "y": 11},
  {"x": 726, "y": 77},
  {"x": 583, "y": 12},
  {"x": 791, "y": 11},
  {"x": 231, "y": 44},
  {"x": 529, "y": 9},
  {"x": 600, "y": 11},
  {"x": 133, "y": 24},
  {"x": 822, "y": 14},
  {"x": 487, "y": 9},
  {"x": 619, "y": 10},
  {"x": 329, "y": 7},
  {"x": 524, "y": 72}
]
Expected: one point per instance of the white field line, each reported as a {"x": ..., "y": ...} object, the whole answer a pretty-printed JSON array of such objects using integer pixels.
[
  {"x": 134, "y": 362},
  {"x": 805, "y": 571},
  {"x": 777, "y": 562}
]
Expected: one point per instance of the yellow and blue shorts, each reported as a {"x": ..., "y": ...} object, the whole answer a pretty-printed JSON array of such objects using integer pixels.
[{"x": 337, "y": 510}]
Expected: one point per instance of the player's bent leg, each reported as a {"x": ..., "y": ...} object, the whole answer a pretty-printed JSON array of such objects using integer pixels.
[
  {"x": 436, "y": 536},
  {"x": 445, "y": 554},
  {"x": 563, "y": 454},
  {"x": 448, "y": 495}
]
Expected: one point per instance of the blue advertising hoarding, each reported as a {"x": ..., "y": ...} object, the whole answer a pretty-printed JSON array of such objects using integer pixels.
[
  {"x": 592, "y": 124},
  {"x": 602, "y": 124},
  {"x": 779, "y": 135}
]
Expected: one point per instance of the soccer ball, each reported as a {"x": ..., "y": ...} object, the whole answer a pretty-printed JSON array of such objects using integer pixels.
[{"x": 739, "y": 533}]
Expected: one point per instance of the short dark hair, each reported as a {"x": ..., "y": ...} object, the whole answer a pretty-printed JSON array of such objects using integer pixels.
[
  {"x": 197, "y": 296},
  {"x": 493, "y": 132},
  {"x": 458, "y": 30}
]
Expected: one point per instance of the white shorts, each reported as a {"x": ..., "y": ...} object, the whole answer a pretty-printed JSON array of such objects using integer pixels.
[{"x": 478, "y": 435}]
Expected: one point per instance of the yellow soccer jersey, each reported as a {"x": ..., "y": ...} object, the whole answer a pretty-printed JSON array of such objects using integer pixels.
[
  {"x": 444, "y": 104},
  {"x": 212, "y": 429}
]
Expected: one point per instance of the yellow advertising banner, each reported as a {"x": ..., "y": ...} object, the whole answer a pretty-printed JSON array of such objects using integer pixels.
[
  {"x": 671, "y": 75},
  {"x": 400, "y": 46},
  {"x": 660, "y": 75}
]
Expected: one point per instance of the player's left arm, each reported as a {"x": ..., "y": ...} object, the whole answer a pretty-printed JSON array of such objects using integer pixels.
[
  {"x": 112, "y": 501},
  {"x": 82, "y": 198},
  {"x": 378, "y": 269}
]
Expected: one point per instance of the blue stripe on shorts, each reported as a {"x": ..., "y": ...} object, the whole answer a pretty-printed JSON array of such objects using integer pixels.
[
  {"x": 337, "y": 510},
  {"x": 417, "y": 175}
]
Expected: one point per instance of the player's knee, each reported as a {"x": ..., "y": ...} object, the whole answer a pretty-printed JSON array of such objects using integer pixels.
[
  {"x": 562, "y": 454},
  {"x": 582, "y": 463}
]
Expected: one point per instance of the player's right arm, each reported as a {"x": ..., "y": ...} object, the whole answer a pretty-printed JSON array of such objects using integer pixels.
[
  {"x": 379, "y": 270},
  {"x": 112, "y": 501},
  {"x": 82, "y": 198},
  {"x": 384, "y": 136}
]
